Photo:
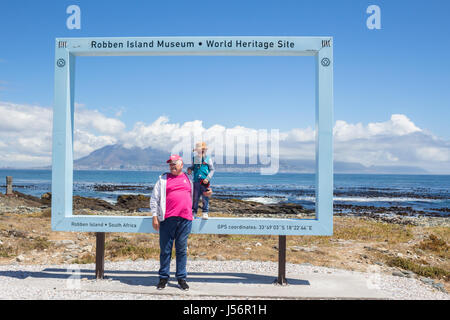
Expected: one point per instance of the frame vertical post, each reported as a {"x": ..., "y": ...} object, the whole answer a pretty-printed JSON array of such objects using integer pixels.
[
  {"x": 63, "y": 120},
  {"x": 281, "y": 280},
  {"x": 324, "y": 138},
  {"x": 100, "y": 255}
]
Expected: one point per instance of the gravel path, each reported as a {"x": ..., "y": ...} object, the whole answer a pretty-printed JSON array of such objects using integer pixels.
[{"x": 12, "y": 284}]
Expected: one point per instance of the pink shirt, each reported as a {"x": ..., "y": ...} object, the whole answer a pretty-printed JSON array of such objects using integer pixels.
[{"x": 178, "y": 197}]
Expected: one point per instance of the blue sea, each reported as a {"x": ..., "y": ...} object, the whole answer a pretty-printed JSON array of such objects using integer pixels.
[{"x": 420, "y": 193}]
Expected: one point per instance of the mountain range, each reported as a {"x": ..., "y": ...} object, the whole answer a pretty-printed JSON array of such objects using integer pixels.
[{"x": 117, "y": 157}]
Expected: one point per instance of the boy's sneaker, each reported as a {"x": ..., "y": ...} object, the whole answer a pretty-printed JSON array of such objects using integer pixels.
[
  {"x": 205, "y": 215},
  {"x": 162, "y": 284},
  {"x": 183, "y": 284}
]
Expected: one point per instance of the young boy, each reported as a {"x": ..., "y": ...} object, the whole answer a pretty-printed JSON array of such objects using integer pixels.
[{"x": 203, "y": 170}]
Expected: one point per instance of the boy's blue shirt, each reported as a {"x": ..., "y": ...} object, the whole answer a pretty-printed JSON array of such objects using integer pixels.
[{"x": 203, "y": 169}]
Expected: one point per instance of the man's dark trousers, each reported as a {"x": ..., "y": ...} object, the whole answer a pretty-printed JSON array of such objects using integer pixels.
[{"x": 174, "y": 229}]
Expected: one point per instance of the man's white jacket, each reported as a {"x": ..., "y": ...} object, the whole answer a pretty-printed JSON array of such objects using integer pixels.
[{"x": 158, "y": 198}]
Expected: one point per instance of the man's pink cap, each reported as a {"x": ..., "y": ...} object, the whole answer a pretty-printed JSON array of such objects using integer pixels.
[{"x": 174, "y": 157}]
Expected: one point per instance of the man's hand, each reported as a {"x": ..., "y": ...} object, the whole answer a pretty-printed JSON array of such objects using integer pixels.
[
  {"x": 155, "y": 223},
  {"x": 189, "y": 171},
  {"x": 205, "y": 181}
]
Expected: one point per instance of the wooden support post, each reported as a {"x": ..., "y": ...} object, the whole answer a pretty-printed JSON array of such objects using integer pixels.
[
  {"x": 9, "y": 188},
  {"x": 281, "y": 280},
  {"x": 100, "y": 255}
]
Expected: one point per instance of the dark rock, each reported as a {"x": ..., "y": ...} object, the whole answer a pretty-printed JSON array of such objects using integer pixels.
[
  {"x": 132, "y": 202},
  {"x": 113, "y": 187},
  {"x": 246, "y": 208},
  {"x": 91, "y": 203}
]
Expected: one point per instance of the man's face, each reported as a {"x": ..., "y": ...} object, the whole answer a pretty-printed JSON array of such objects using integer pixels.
[{"x": 176, "y": 167}]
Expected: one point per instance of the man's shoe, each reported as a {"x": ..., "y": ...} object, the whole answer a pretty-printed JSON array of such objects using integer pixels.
[
  {"x": 205, "y": 215},
  {"x": 183, "y": 285},
  {"x": 162, "y": 284}
]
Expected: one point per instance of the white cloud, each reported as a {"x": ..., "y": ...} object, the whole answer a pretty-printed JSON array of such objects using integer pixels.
[
  {"x": 86, "y": 119},
  {"x": 439, "y": 154},
  {"x": 398, "y": 125},
  {"x": 86, "y": 142},
  {"x": 26, "y": 133},
  {"x": 26, "y": 138}
]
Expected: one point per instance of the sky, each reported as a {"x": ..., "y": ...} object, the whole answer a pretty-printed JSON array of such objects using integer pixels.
[{"x": 391, "y": 97}]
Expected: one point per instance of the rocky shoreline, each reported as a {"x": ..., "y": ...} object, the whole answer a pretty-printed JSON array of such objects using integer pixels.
[{"x": 139, "y": 205}]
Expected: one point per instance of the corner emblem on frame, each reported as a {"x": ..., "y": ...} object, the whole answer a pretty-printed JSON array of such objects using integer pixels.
[
  {"x": 325, "y": 62},
  {"x": 61, "y": 62}
]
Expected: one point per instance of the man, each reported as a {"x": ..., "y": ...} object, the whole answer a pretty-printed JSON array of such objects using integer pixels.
[{"x": 171, "y": 206}]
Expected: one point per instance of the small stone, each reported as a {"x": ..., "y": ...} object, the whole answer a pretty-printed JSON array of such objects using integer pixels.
[
  {"x": 440, "y": 287},
  {"x": 219, "y": 257},
  {"x": 258, "y": 244},
  {"x": 20, "y": 258},
  {"x": 398, "y": 274},
  {"x": 307, "y": 264},
  {"x": 87, "y": 248},
  {"x": 408, "y": 274},
  {"x": 248, "y": 248},
  {"x": 427, "y": 280}
]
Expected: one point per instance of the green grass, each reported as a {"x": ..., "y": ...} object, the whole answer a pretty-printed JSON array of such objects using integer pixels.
[
  {"x": 39, "y": 243},
  {"x": 435, "y": 245},
  {"x": 373, "y": 231},
  {"x": 6, "y": 252},
  {"x": 425, "y": 271},
  {"x": 124, "y": 247},
  {"x": 85, "y": 259}
]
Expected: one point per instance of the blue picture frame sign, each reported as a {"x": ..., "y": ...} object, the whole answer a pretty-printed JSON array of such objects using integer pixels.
[{"x": 66, "y": 51}]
